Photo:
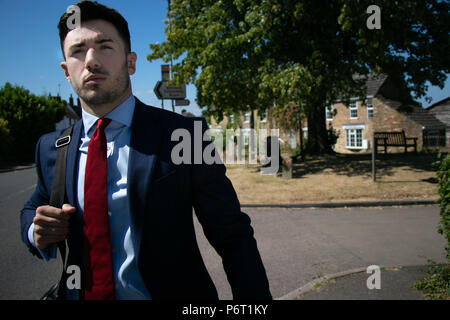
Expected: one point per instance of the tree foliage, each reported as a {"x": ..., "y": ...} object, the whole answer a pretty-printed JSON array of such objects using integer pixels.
[
  {"x": 24, "y": 117},
  {"x": 248, "y": 54},
  {"x": 443, "y": 175}
]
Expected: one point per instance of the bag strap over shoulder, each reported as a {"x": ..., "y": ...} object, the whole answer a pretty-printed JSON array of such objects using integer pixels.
[{"x": 58, "y": 194}]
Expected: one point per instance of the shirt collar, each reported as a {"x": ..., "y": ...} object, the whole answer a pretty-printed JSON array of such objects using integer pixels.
[{"x": 123, "y": 114}]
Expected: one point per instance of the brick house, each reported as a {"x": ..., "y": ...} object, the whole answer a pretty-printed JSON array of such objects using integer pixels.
[
  {"x": 441, "y": 111},
  {"x": 355, "y": 124},
  {"x": 260, "y": 120},
  {"x": 378, "y": 111}
]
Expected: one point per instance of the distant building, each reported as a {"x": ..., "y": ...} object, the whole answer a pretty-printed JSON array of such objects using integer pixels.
[
  {"x": 381, "y": 111},
  {"x": 73, "y": 114},
  {"x": 441, "y": 110}
]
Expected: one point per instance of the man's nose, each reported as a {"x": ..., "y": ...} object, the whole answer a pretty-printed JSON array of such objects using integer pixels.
[{"x": 91, "y": 61}]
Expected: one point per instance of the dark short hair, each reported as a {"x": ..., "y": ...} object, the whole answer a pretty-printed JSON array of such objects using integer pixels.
[{"x": 91, "y": 10}]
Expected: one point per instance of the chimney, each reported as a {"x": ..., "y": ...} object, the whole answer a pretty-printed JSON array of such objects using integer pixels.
[{"x": 71, "y": 101}]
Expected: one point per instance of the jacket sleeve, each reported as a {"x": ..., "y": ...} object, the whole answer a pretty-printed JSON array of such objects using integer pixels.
[
  {"x": 40, "y": 197},
  {"x": 229, "y": 231}
]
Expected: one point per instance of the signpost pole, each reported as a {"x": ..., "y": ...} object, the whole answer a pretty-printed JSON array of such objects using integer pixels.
[{"x": 374, "y": 150}]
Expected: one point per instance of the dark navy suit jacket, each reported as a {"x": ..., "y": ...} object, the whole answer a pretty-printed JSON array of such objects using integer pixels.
[{"x": 162, "y": 196}]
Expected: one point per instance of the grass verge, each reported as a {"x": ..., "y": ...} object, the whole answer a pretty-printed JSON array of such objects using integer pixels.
[{"x": 340, "y": 178}]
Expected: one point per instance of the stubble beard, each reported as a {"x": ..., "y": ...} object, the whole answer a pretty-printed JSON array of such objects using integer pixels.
[{"x": 95, "y": 95}]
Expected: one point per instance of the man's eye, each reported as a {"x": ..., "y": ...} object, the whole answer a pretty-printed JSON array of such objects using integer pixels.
[{"x": 105, "y": 47}]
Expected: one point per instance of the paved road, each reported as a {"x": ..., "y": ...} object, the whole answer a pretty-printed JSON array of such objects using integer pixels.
[
  {"x": 296, "y": 245},
  {"x": 22, "y": 276}
]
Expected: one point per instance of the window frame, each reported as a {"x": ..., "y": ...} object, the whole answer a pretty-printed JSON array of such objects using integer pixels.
[
  {"x": 351, "y": 108},
  {"x": 369, "y": 107},
  {"x": 329, "y": 112},
  {"x": 247, "y": 115},
  {"x": 263, "y": 116},
  {"x": 351, "y": 130}
]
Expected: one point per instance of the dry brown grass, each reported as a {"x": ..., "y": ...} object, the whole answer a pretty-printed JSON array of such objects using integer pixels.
[{"x": 340, "y": 178}]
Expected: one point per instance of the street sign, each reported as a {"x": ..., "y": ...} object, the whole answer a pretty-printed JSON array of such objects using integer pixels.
[
  {"x": 163, "y": 91},
  {"x": 165, "y": 72},
  {"x": 182, "y": 102}
]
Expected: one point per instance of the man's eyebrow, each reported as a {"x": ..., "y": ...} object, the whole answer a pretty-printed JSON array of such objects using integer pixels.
[
  {"x": 77, "y": 45},
  {"x": 103, "y": 40},
  {"x": 98, "y": 41}
]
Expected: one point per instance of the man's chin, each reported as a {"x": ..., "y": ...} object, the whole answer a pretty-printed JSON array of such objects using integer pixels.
[{"x": 94, "y": 98}]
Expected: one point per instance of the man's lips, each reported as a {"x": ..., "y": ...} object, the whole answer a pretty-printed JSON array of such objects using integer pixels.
[{"x": 94, "y": 79}]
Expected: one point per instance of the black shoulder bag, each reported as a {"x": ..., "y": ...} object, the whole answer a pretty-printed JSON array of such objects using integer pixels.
[{"x": 57, "y": 199}]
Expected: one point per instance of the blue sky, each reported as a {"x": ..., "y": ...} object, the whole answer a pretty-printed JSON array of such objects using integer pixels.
[{"x": 31, "y": 53}]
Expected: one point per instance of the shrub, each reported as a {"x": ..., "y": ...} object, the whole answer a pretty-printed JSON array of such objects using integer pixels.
[
  {"x": 5, "y": 139},
  {"x": 25, "y": 118},
  {"x": 437, "y": 285},
  {"x": 443, "y": 175}
]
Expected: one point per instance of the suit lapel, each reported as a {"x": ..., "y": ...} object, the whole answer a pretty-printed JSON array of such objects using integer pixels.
[{"x": 144, "y": 145}]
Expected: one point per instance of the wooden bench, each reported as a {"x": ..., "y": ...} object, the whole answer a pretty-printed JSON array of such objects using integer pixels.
[{"x": 394, "y": 139}]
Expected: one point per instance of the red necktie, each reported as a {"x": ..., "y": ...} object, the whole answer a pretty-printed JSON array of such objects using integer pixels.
[{"x": 99, "y": 271}]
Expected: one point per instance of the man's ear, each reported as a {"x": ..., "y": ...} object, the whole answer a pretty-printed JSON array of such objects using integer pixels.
[
  {"x": 131, "y": 62},
  {"x": 66, "y": 71}
]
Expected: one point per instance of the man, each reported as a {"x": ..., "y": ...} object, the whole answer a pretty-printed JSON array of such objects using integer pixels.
[{"x": 128, "y": 217}]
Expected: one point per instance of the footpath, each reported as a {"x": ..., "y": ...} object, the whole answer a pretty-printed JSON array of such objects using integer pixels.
[
  {"x": 7, "y": 167},
  {"x": 353, "y": 285},
  {"x": 395, "y": 281}
]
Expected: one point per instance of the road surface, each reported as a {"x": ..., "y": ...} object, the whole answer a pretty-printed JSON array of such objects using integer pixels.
[{"x": 296, "y": 245}]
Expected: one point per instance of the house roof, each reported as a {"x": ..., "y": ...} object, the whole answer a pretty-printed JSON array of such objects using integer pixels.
[
  {"x": 416, "y": 113},
  {"x": 373, "y": 83},
  {"x": 445, "y": 101},
  {"x": 425, "y": 118},
  {"x": 71, "y": 112}
]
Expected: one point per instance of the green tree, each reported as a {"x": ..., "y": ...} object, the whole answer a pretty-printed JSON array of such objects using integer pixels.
[
  {"x": 24, "y": 118},
  {"x": 248, "y": 54}
]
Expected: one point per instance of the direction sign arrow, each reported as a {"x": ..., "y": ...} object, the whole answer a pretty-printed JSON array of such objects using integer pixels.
[
  {"x": 156, "y": 90},
  {"x": 163, "y": 91}
]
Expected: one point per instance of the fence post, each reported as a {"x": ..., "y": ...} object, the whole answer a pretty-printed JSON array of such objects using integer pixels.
[{"x": 374, "y": 151}]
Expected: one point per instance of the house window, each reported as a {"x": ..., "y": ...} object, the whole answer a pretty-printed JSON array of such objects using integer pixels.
[
  {"x": 329, "y": 112},
  {"x": 353, "y": 138},
  {"x": 292, "y": 140},
  {"x": 231, "y": 118},
  {"x": 247, "y": 117},
  {"x": 264, "y": 116},
  {"x": 369, "y": 106},
  {"x": 245, "y": 134},
  {"x": 353, "y": 110},
  {"x": 434, "y": 138}
]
